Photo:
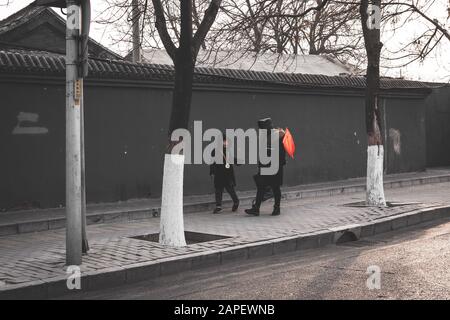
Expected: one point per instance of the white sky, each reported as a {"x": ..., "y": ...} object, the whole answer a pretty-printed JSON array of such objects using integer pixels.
[{"x": 436, "y": 67}]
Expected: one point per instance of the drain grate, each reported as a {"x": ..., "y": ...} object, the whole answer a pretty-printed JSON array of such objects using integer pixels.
[
  {"x": 389, "y": 204},
  {"x": 348, "y": 236},
  {"x": 191, "y": 237}
]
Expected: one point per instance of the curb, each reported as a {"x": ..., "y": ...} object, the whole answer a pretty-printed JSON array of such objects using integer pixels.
[
  {"x": 115, "y": 216},
  {"x": 110, "y": 277}
]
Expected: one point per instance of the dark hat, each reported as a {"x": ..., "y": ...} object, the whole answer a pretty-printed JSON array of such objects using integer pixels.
[{"x": 265, "y": 123}]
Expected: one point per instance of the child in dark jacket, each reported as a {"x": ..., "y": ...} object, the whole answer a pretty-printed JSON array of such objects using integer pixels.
[{"x": 223, "y": 174}]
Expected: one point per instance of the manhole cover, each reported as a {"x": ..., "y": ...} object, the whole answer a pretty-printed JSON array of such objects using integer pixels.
[
  {"x": 389, "y": 204},
  {"x": 191, "y": 237}
]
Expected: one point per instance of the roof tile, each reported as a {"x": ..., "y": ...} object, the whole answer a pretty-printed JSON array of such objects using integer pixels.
[{"x": 38, "y": 62}]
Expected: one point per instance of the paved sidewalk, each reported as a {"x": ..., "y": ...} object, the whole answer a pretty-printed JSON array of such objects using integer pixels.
[
  {"x": 13, "y": 222},
  {"x": 34, "y": 259}
]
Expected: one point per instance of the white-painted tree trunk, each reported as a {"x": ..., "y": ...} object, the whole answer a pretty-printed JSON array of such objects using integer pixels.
[
  {"x": 375, "y": 188},
  {"x": 172, "y": 224}
]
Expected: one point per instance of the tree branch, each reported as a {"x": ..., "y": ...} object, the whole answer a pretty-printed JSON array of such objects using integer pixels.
[
  {"x": 161, "y": 26},
  {"x": 205, "y": 25},
  {"x": 423, "y": 15},
  {"x": 319, "y": 7}
]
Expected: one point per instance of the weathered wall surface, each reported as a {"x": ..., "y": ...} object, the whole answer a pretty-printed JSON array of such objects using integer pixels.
[
  {"x": 126, "y": 127},
  {"x": 32, "y": 144},
  {"x": 405, "y": 134},
  {"x": 438, "y": 127}
]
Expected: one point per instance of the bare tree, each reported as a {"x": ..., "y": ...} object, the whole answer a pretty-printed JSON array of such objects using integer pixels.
[
  {"x": 180, "y": 27},
  {"x": 370, "y": 22},
  {"x": 184, "y": 57},
  {"x": 331, "y": 27},
  {"x": 251, "y": 27},
  {"x": 288, "y": 26},
  {"x": 121, "y": 17}
]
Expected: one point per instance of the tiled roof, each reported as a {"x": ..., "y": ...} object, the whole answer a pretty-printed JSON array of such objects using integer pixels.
[
  {"x": 16, "y": 61},
  {"x": 40, "y": 14},
  {"x": 20, "y": 17},
  {"x": 268, "y": 62}
]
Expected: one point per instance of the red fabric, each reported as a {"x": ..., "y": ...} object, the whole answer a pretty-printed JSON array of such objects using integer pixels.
[{"x": 288, "y": 143}]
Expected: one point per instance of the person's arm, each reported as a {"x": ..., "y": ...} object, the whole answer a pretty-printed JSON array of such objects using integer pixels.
[{"x": 212, "y": 167}]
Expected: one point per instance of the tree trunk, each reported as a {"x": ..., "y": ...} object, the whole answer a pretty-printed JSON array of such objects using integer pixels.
[
  {"x": 375, "y": 150},
  {"x": 172, "y": 222},
  {"x": 182, "y": 93},
  {"x": 172, "y": 225},
  {"x": 136, "y": 55}
]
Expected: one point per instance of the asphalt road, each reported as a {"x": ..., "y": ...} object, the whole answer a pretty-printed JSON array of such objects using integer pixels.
[{"x": 413, "y": 264}]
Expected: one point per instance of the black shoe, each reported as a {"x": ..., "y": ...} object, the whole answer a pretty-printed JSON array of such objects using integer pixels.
[
  {"x": 253, "y": 211},
  {"x": 217, "y": 210},
  {"x": 276, "y": 211},
  {"x": 235, "y": 206}
]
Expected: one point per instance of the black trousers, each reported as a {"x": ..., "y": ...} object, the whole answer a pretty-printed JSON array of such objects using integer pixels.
[
  {"x": 276, "y": 195},
  {"x": 231, "y": 192}
]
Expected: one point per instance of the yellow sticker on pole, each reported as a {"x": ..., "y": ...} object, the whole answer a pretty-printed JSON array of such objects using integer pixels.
[{"x": 78, "y": 91}]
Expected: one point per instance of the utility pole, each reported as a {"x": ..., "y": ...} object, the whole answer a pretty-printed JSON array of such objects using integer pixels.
[
  {"x": 73, "y": 138},
  {"x": 77, "y": 38}
]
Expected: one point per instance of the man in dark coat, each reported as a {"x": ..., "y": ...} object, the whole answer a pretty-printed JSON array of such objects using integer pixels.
[
  {"x": 224, "y": 179},
  {"x": 273, "y": 181}
]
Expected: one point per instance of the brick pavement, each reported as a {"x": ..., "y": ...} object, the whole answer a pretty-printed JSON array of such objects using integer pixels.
[
  {"x": 24, "y": 221},
  {"x": 41, "y": 256}
]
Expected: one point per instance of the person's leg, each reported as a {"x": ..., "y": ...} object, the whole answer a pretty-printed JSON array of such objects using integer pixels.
[
  {"x": 232, "y": 193},
  {"x": 254, "y": 210},
  {"x": 260, "y": 189},
  {"x": 259, "y": 196},
  {"x": 277, "y": 197},
  {"x": 234, "y": 197},
  {"x": 219, "y": 193}
]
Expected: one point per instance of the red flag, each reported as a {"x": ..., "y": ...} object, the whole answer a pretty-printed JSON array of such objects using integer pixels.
[{"x": 288, "y": 143}]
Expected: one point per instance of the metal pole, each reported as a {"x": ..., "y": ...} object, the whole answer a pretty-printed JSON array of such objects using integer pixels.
[
  {"x": 83, "y": 56},
  {"x": 73, "y": 138}
]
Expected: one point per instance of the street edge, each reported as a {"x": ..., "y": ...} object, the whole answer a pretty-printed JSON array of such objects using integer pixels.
[{"x": 111, "y": 277}]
